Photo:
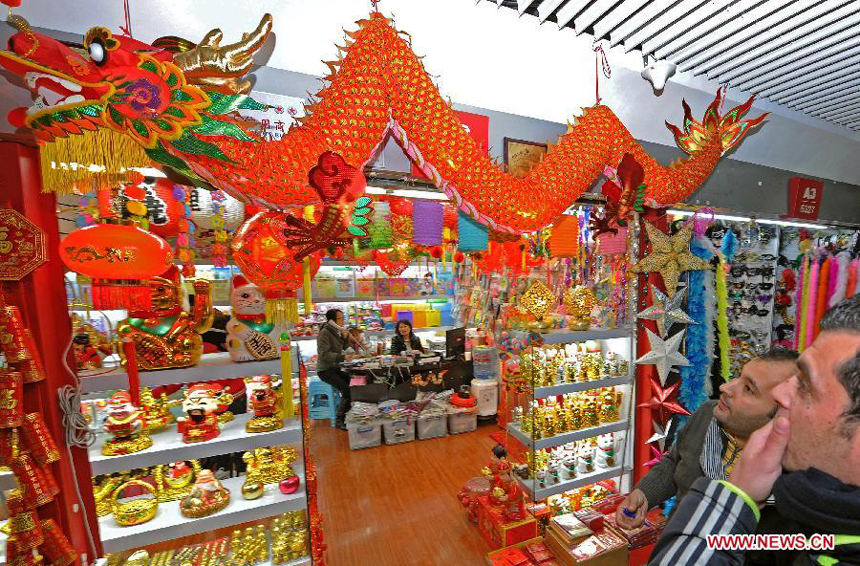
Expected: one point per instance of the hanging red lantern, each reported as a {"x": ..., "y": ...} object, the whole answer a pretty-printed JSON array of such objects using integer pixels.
[
  {"x": 450, "y": 217},
  {"x": 459, "y": 257},
  {"x": 564, "y": 240},
  {"x": 163, "y": 210},
  {"x": 261, "y": 252},
  {"x": 401, "y": 206},
  {"x": 436, "y": 252},
  {"x": 119, "y": 258}
]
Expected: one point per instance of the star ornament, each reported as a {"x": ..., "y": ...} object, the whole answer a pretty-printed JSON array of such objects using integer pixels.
[
  {"x": 665, "y": 401},
  {"x": 656, "y": 456},
  {"x": 670, "y": 256},
  {"x": 664, "y": 354},
  {"x": 660, "y": 432},
  {"x": 666, "y": 311}
]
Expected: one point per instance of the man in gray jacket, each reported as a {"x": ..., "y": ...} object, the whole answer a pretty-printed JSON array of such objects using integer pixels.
[
  {"x": 331, "y": 343},
  {"x": 715, "y": 435}
]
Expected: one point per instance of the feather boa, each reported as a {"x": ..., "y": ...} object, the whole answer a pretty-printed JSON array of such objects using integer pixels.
[
  {"x": 730, "y": 245},
  {"x": 695, "y": 378},
  {"x": 802, "y": 300},
  {"x": 852, "y": 279},
  {"x": 831, "y": 281},
  {"x": 840, "y": 285},
  {"x": 710, "y": 317},
  {"x": 821, "y": 298},
  {"x": 811, "y": 303},
  {"x": 723, "y": 320}
]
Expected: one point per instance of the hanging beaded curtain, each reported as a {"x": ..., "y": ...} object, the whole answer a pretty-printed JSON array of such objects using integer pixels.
[
  {"x": 472, "y": 234},
  {"x": 563, "y": 241},
  {"x": 427, "y": 221},
  {"x": 380, "y": 226}
]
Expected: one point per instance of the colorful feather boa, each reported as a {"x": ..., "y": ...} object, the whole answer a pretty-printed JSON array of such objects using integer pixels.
[
  {"x": 723, "y": 320},
  {"x": 695, "y": 378}
]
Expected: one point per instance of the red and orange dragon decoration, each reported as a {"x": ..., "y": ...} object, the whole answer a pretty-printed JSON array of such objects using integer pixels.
[{"x": 176, "y": 100}]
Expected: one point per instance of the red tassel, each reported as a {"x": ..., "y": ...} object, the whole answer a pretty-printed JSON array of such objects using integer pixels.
[{"x": 111, "y": 296}]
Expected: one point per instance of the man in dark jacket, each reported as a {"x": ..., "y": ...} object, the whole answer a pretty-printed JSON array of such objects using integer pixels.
[
  {"x": 332, "y": 341},
  {"x": 815, "y": 436},
  {"x": 714, "y": 437}
]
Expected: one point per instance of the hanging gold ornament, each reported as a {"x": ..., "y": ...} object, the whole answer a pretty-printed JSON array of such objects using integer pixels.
[{"x": 670, "y": 256}]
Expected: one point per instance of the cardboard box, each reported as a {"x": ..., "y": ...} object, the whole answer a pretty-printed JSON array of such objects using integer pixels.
[
  {"x": 617, "y": 556},
  {"x": 497, "y": 531}
]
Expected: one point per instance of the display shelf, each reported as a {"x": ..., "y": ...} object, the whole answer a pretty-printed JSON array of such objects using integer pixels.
[
  {"x": 561, "y": 487},
  {"x": 169, "y": 523},
  {"x": 566, "y": 437},
  {"x": 303, "y": 561},
  {"x": 567, "y": 336},
  {"x": 168, "y": 446},
  {"x": 562, "y": 388},
  {"x": 374, "y": 299},
  {"x": 210, "y": 367}
]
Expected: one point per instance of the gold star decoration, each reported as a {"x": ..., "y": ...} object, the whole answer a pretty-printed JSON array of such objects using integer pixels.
[{"x": 670, "y": 256}]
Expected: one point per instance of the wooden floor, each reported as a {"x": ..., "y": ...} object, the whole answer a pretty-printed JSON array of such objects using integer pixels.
[{"x": 397, "y": 505}]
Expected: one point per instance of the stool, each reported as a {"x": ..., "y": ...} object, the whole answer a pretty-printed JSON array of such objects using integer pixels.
[{"x": 322, "y": 399}]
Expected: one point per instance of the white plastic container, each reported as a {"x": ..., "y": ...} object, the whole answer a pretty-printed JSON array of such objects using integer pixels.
[
  {"x": 399, "y": 431},
  {"x": 364, "y": 434},
  {"x": 462, "y": 421},
  {"x": 432, "y": 426},
  {"x": 486, "y": 392}
]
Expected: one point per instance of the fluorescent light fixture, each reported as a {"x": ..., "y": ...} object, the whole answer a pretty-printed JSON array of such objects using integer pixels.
[
  {"x": 409, "y": 193},
  {"x": 749, "y": 219}
]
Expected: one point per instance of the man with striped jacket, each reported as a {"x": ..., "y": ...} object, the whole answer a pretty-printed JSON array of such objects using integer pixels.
[{"x": 815, "y": 437}]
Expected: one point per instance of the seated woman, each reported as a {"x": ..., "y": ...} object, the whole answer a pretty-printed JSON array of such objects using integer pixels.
[
  {"x": 405, "y": 340},
  {"x": 357, "y": 342}
]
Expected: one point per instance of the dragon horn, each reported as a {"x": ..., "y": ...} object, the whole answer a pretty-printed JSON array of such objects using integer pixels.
[
  {"x": 217, "y": 66},
  {"x": 19, "y": 23}
]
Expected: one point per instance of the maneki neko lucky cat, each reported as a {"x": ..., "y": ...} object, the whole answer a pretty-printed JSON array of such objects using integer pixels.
[
  {"x": 165, "y": 336},
  {"x": 201, "y": 405},
  {"x": 249, "y": 336}
]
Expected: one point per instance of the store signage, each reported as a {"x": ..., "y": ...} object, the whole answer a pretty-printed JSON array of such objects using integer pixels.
[
  {"x": 477, "y": 126},
  {"x": 22, "y": 245},
  {"x": 804, "y": 198}
]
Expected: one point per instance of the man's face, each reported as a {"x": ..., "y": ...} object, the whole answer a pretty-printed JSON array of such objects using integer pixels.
[
  {"x": 815, "y": 400},
  {"x": 747, "y": 402},
  {"x": 338, "y": 318}
]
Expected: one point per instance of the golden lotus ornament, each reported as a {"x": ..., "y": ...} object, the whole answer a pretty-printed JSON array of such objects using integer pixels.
[{"x": 579, "y": 301}]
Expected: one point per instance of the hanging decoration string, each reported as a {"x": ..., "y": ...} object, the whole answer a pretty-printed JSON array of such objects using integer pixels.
[
  {"x": 219, "y": 222},
  {"x": 127, "y": 28},
  {"x": 600, "y": 60}
]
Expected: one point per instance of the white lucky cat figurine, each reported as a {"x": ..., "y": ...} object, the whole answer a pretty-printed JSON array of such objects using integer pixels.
[
  {"x": 585, "y": 457},
  {"x": 605, "y": 451},
  {"x": 249, "y": 336}
]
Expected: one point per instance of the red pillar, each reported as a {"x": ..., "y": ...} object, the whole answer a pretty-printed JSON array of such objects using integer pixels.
[
  {"x": 41, "y": 296},
  {"x": 644, "y": 429}
]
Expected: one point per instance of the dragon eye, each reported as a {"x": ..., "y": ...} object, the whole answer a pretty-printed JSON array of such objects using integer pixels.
[{"x": 97, "y": 52}]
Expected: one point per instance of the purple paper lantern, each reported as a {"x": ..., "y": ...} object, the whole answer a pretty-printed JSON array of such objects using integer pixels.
[{"x": 427, "y": 222}]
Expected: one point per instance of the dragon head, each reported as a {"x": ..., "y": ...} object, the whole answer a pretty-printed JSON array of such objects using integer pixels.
[{"x": 164, "y": 96}]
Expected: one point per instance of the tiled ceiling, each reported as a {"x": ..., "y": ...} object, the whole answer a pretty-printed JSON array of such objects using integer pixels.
[{"x": 802, "y": 54}]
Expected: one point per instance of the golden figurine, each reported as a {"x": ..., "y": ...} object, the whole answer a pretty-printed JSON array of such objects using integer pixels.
[
  {"x": 271, "y": 465},
  {"x": 175, "y": 480},
  {"x": 265, "y": 404},
  {"x": 610, "y": 407},
  {"x": 127, "y": 426},
  {"x": 156, "y": 412},
  {"x": 206, "y": 497},
  {"x": 591, "y": 416},
  {"x": 253, "y": 487},
  {"x": 102, "y": 492},
  {"x": 575, "y": 417},
  {"x": 164, "y": 335},
  {"x": 579, "y": 302}
]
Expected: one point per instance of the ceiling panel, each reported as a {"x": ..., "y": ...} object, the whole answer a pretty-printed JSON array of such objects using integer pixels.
[{"x": 803, "y": 54}]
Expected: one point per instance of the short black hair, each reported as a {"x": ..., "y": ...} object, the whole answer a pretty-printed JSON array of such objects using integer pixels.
[
  {"x": 845, "y": 317},
  {"x": 779, "y": 354},
  {"x": 331, "y": 314}
]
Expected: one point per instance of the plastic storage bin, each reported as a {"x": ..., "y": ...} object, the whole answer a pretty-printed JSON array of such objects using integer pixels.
[
  {"x": 399, "y": 431},
  {"x": 364, "y": 434},
  {"x": 462, "y": 421},
  {"x": 432, "y": 426}
]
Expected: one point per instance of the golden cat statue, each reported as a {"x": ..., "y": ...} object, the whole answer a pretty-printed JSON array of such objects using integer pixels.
[{"x": 165, "y": 336}]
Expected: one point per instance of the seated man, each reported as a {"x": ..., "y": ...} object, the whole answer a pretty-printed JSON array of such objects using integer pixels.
[
  {"x": 715, "y": 435},
  {"x": 815, "y": 437}
]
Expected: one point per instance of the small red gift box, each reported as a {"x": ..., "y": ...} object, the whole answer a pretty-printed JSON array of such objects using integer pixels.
[{"x": 497, "y": 531}]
